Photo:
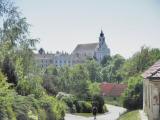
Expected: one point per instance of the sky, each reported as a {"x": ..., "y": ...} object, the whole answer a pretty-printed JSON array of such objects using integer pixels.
[{"x": 62, "y": 24}]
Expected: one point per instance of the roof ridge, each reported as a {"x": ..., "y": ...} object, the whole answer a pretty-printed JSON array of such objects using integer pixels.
[{"x": 87, "y": 43}]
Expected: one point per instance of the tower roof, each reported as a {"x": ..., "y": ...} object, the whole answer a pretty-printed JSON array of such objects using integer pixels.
[{"x": 101, "y": 34}]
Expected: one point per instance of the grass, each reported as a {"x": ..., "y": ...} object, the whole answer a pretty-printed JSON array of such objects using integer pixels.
[
  {"x": 131, "y": 115},
  {"x": 113, "y": 101}
]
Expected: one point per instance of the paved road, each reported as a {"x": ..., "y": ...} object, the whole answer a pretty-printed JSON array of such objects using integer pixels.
[{"x": 113, "y": 114}]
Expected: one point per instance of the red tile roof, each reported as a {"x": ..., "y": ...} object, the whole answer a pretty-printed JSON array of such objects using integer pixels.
[{"x": 112, "y": 89}]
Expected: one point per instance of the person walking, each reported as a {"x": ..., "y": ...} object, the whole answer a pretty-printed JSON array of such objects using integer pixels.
[{"x": 94, "y": 111}]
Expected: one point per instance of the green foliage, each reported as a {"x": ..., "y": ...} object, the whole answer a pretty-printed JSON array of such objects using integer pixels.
[
  {"x": 94, "y": 71},
  {"x": 27, "y": 99},
  {"x": 133, "y": 96},
  {"x": 98, "y": 101},
  {"x": 111, "y": 69},
  {"x": 131, "y": 115},
  {"x": 131, "y": 71},
  {"x": 30, "y": 86},
  {"x": 83, "y": 107},
  {"x": 69, "y": 100},
  {"x": 140, "y": 62},
  {"x": 54, "y": 109},
  {"x": 117, "y": 101},
  {"x": 9, "y": 70},
  {"x": 93, "y": 88}
]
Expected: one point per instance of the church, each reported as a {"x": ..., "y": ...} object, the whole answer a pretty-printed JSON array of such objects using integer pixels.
[
  {"x": 92, "y": 50},
  {"x": 80, "y": 54}
]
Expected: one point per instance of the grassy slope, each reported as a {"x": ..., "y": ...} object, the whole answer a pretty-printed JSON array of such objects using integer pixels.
[{"x": 132, "y": 115}]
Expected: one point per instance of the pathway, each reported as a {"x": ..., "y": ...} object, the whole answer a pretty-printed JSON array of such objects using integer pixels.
[{"x": 113, "y": 114}]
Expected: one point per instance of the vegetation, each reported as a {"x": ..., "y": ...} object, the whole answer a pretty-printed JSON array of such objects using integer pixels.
[
  {"x": 22, "y": 95},
  {"x": 132, "y": 70},
  {"x": 117, "y": 101},
  {"x": 30, "y": 93},
  {"x": 132, "y": 115},
  {"x": 83, "y": 80}
]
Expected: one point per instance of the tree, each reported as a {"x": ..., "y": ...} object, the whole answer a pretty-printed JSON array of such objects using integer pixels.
[
  {"x": 133, "y": 96},
  {"x": 9, "y": 70},
  {"x": 79, "y": 77},
  {"x": 94, "y": 70},
  {"x": 93, "y": 88},
  {"x": 110, "y": 72},
  {"x": 106, "y": 60}
]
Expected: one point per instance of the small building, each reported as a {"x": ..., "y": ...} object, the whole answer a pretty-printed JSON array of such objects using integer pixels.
[
  {"x": 112, "y": 89},
  {"x": 151, "y": 92}
]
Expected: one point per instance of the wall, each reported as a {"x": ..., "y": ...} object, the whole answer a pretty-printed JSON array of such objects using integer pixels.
[{"x": 151, "y": 91}]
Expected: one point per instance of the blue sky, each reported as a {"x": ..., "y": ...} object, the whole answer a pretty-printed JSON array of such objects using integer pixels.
[{"x": 62, "y": 24}]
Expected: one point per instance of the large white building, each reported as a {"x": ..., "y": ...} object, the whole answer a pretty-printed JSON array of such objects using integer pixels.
[
  {"x": 91, "y": 50},
  {"x": 79, "y": 55}
]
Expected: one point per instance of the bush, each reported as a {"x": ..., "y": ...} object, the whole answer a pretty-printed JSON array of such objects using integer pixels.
[
  {"x": 83, "y": 107},
  {"x": 98, "y": 101},
  {"x": 69, "y": 100}
]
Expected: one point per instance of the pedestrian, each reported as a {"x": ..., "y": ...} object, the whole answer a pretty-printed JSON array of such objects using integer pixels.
[{"x": 94, "y": 111}]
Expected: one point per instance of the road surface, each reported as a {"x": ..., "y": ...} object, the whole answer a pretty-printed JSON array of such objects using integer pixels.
[{"x": 113, "y": 114}]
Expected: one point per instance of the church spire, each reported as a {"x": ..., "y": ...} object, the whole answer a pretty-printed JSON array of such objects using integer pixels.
[
  {"x": 101, "y": 39},
  {"x": 101, "y": 34}
]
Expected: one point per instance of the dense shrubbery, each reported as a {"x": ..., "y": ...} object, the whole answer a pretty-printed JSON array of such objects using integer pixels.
[
  {"x": 83, "y": 107},
  {"x": 133, "y": 96},
  {"x": 13, "y": 106},
  {"x": 22, "y": 96},
  {"x": 98, "y": 101}
]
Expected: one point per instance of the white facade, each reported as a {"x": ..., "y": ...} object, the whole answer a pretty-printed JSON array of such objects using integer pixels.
[
  {"x": 44, "y": 60},
  {"x": 61, "y": 59}
]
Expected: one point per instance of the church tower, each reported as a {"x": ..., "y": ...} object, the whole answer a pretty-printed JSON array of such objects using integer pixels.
[
  {"x": 102, "y": 49},
  {"x": 101, "y": 39}
]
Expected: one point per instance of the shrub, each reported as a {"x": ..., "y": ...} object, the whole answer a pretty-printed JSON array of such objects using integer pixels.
[
  {"x": 55, "y": 110},
  {"x": 98, "y": 101},
  {"x": 69, "y": 100},
  {"x": 83, "y": 107}
]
